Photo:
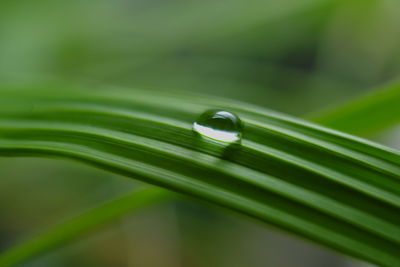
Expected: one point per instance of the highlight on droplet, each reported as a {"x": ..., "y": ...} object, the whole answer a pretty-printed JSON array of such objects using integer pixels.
[{"x": 219, "y": 125}]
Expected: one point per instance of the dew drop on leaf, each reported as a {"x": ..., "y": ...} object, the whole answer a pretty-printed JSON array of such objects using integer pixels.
[{"x": 219, "y": 125}]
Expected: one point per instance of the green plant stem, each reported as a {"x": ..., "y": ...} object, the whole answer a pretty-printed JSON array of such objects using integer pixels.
[
  {"x": 89, "y": 221},
  {"x": 369, "y": 114}
]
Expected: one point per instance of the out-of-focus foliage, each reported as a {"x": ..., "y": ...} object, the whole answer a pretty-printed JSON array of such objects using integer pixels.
[
  {"x": 371, "y": 114},
  {"x": 292, "y": 55},
  {"x": 268, "y": 52}
]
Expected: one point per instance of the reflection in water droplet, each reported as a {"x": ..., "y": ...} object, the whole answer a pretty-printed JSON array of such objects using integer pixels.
[{"x": 219, "y": 125}]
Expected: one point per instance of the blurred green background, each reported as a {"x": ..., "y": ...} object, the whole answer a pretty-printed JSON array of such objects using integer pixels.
[{"x": 295, "y": 56}]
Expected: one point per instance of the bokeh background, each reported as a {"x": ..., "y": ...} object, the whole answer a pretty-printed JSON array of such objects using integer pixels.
[{"x": 295, "y": 56}]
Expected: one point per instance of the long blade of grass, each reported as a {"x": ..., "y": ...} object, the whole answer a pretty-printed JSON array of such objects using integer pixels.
[
  {"x": 324, "y": 185},
  {"x": 367, "y": 115},
  {"x": 84, "y": 223}
]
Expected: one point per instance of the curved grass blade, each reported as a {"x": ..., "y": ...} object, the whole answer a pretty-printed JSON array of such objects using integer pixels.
[
  {"x": 370, "y": 114},
  {"x": 327, "y": 186},
  {"x": 83, "y": 223}
]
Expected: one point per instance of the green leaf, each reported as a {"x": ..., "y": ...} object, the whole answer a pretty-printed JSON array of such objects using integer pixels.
[
  {"x": 83, "y": 223},
  {"x": 370, "y": 114},
  {"x": 333, "y": 188}
]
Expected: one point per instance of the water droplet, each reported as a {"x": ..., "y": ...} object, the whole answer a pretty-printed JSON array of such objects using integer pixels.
[{"x": 219, "y": 125}]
